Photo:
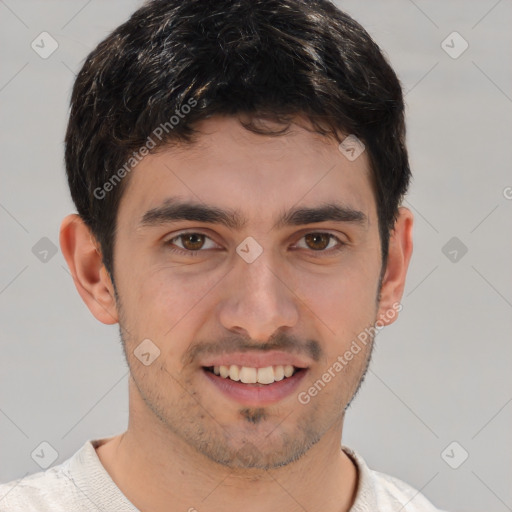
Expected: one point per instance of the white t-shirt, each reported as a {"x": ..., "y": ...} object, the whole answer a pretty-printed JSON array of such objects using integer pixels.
[{"x": 81, "y": 484}]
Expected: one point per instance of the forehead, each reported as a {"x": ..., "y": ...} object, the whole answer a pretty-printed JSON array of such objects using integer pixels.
[{"x": 259, "y": 176}]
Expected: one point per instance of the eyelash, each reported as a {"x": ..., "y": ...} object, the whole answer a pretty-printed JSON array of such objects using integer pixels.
[{"x": 179, "y": 251}]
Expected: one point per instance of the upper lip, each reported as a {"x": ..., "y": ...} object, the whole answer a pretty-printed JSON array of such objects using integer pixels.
[{"x": 256, "y": 359}]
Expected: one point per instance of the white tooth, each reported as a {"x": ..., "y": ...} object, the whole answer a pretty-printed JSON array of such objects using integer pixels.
[
  {"x": 248, "y": 375},
  {"x": 234, "y": 372},
  {"x": 216, "y": 370},
  {"x": 278, "y": 373},
  {"x": 288, "y": 370},
  {"x": 266, "y": 375},
  {"x": 224, "y": 371}
]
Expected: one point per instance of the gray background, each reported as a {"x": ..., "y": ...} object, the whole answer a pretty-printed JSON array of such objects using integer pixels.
[{"x": 440, "y": 374}]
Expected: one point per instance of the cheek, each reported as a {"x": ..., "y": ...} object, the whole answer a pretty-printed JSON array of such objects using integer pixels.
[
  {"x": 343, "y": 300},
  {"x": 165, "y": 304}
]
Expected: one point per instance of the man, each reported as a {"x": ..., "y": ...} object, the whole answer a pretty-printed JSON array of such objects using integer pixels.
[{"x": 238, "y": 169}]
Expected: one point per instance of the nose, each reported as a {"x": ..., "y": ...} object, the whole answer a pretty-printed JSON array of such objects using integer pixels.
[{"x": 259, "y": 300}]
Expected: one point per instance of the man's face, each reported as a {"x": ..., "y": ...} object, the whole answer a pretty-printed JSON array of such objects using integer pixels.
[{"x": 301, "y": 302}]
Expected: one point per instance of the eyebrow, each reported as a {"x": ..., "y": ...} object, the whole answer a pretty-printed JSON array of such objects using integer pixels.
[{"x": 173, "y": 209}]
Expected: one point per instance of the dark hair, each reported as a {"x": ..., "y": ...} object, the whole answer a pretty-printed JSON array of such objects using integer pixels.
[{"x": 190, "y": 60}]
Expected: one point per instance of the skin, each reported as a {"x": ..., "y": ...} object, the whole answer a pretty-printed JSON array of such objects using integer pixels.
[{"x": 188, "y": 445}]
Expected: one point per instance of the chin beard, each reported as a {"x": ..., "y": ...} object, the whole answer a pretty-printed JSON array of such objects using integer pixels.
[{"x": 260, "y": 454}]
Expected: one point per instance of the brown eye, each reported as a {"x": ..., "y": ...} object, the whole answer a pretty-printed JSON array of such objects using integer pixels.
[
  {"x": 321, "y": 244},
  {"x": 318, "y": 241},
  {"x": 192, "y": 241}
]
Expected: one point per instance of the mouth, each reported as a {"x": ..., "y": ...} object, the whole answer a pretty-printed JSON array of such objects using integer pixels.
[{"x": 252, "y": 386}]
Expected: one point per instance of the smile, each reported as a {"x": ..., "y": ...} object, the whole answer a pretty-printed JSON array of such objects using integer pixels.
[
  {"x": 250, "y": 375},
  {"x": 256, "y": 387}
]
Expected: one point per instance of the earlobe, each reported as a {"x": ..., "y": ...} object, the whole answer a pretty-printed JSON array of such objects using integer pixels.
[
  {"x": 399, "y": 256},
  {"x": 84, "y": 260}
]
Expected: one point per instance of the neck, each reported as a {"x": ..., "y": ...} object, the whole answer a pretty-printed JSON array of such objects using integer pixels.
[{"x": 158, "y": 471}]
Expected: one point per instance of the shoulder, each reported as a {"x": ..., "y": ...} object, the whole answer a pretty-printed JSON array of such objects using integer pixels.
[
  {"x": 61, "y": 488},
  {"x": 379, "y": 491},
  {"x": 396, "y": 493},
  {"x": 79, "y": 484},
  {"x": 46, "y": 490}
]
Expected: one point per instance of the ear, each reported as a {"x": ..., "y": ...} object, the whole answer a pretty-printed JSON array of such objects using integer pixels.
[
  {"x": 85, "y": 262},
  {"x": 399, "y": 255}
]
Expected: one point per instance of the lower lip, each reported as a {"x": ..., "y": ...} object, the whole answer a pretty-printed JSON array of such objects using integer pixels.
[{"x": 257, "y": 394}]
